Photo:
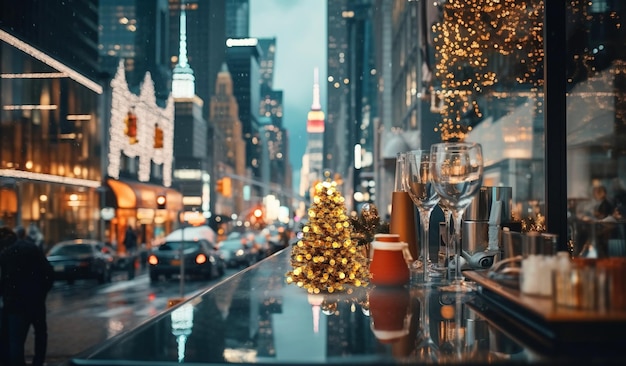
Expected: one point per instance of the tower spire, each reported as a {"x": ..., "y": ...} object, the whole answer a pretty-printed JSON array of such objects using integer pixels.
[
  {"x": 316, "y": 106},
  {"x": 183, "y": 83}
]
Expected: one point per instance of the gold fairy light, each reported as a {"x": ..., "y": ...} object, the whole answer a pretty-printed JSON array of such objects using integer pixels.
[
  {"x": 326, "y": 259},
  {"x": 471, "y": 42}
]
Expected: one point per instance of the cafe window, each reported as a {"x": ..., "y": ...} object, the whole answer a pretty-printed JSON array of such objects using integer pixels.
[{"x": 596, "y": 126}]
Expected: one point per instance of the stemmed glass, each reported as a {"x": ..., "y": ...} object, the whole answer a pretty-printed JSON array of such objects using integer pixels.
[
  {"x": 418, "y": 183},
  {"x": 457, "y": 174},
  {"x": 426, "y": 350},
  {"x": 444, "y": 252}
]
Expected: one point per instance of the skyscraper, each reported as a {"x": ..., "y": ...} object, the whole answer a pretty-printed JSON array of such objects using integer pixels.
[
  {"x": 136, "y": 31},
  {"x": 206, "y": 43},
  {"x": 237, "y": 18},
  {"x": 312, "y": 161},
  {"x": 192, "y": 165},
  {"x": 228, "y": 141},
  {"x": 337, "y": 154},
  {"x": 242, "y": 58}
]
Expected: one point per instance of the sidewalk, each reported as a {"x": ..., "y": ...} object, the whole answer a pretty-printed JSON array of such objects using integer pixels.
[{"x": 70, "y": 334}]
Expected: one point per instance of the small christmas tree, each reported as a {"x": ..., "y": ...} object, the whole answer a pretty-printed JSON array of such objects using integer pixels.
[{"x": 326, "y": 258}]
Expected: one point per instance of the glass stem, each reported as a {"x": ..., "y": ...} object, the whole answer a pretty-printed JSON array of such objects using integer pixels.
[
  {"x": 424, "y": 241},
  {"x": 447, "y": 214},
  {"x": 457, "y": 215}
]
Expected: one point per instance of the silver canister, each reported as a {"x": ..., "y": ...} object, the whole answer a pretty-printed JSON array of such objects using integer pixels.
[{"x": 480, "y": 207}]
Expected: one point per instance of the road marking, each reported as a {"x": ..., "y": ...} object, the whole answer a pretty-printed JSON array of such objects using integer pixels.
[{"x": 123, "y": 285}]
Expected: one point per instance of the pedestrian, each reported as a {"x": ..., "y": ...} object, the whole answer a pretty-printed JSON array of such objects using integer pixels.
[
  {"x": 26, "y": 277},
  {"x": 130, "y": 245},
  {"x": 7, "y": 238},
  {"x": 130, "y": 240}
]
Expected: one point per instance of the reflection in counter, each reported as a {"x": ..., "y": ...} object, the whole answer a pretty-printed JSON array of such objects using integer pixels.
[{"x": 182, "y": 324}]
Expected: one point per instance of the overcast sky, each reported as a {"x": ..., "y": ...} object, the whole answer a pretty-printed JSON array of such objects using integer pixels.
[{"x": 300, "y": 30}]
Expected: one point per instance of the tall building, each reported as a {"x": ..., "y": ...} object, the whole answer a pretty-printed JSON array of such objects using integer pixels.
[
  {"x": 237, "y": 18},
  {"x": 271, "y": 106},
  {"x": 242, "y": 58},
  {"x": 349, "y": 140},
  {"x": 137, "y": 31},
  {"x": 362, "y": 93},
  {"x": 312, "y": 161},
  {"x": 337, "y": 154},
  {"x": 192, "y": 167},
  {"x": 266, "y": 60},
  {"x": 51, "y": 141},
  {"x": 206, "y": 43},
  {"x": 228, "y": 145}
]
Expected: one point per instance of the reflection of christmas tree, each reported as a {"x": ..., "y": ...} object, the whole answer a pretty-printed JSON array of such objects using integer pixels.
[{"x": 326, "y": 258}]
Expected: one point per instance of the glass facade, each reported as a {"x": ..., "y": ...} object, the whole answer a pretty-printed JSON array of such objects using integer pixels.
[
  {"x": 50, "y": 144},
  {"x": 596, "y": 125}
]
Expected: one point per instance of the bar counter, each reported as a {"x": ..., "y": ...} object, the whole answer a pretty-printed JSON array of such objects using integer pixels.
[{"x": 255, "y": 317}]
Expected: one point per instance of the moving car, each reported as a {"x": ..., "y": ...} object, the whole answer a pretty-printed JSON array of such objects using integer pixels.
[
  {"x": 80, "y": 259},
  {"x": 193, "y": 249},
  {"x": 237, "y": 251}
]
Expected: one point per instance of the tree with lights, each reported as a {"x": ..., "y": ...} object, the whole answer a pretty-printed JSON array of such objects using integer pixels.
[
  {"x": 326, "y": 259},
  {"x": 479, "y": 45}
]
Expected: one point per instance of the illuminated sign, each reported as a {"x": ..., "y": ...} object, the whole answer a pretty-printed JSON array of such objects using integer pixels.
[{"x": 241, "y": 42}]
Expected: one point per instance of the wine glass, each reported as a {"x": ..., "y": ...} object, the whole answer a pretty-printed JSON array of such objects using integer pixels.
[
  {"x": 457, "y": 174},
  {"x": 444, "y": 253},
  {"x": 426, "y": 350},
  {"x": 418, "y": 184}
]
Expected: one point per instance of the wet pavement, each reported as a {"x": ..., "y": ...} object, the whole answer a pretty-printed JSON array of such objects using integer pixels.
[{"x": 83, "y": 315}]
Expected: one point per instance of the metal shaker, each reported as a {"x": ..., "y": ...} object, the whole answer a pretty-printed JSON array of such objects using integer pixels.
[{"x": 482, "y": 222}]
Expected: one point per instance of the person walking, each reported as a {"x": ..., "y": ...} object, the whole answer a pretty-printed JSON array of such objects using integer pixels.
[
  {"x": 130, "y": 245},
  {"x": 26, "y": 277}
]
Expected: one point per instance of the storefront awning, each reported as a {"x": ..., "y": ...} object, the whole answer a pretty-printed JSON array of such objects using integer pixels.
[
  {"x": 135, "y": 195},
  {"x": 8, "y": 200}
]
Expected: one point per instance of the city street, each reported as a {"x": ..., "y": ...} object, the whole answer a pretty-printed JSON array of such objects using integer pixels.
[{"x": 84, "y": 314}]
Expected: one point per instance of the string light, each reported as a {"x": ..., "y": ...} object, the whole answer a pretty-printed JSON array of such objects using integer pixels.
[
  {"x": 148, "y": 115},
  {"x": 471, "y": 42}
]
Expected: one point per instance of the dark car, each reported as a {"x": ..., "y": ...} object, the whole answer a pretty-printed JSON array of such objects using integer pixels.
[
  {"x": 80, "y": 259},
  {"x": 123, "y": 262},
  {"x": 237, "y": 252},
  {"x": 199, "y": 258}
]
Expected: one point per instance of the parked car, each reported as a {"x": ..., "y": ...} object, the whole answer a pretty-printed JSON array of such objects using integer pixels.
[
  {"x": 237, "y": 252},
  {"x": 81, "y": 259},
  {"x": 123, "y": 262},
  {"x": 199, "y": 258}
]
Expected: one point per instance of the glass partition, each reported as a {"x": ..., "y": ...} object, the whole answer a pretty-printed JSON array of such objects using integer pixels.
[{"x": 596, "y": 127}]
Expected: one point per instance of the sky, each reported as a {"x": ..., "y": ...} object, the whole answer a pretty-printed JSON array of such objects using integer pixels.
[{"x": 300, "y": 30}]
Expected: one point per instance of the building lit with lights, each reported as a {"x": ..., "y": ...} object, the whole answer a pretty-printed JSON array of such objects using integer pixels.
[
  {"x": 242, "y": 58},
  {"x": 84, "y": 161},
  {"x": 312, "y": 160},
  {"x": 50, "y": 132},
  {"x": 192, "y": 166},
  {"x": 228, "y": 146}
]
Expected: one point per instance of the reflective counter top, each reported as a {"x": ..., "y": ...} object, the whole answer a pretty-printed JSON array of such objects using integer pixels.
[{"x": 255, "y": 317}]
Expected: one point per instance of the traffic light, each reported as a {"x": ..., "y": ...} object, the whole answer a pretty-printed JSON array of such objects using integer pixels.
[
  {"x": 158, "y": 137},
  {"x": 227, "y": 189},
  {"x": 219, "y": 187},
  {"x": 161, "y": 201}
]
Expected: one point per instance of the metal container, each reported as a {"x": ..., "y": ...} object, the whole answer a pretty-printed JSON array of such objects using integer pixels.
[{"x": 480, "y": 208}]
